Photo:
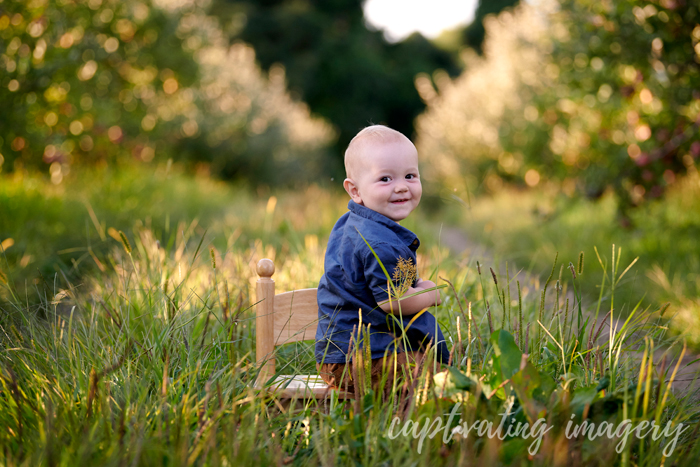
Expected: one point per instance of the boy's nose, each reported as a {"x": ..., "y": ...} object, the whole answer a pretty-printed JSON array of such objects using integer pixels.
[{"x": 400, "y": 187}]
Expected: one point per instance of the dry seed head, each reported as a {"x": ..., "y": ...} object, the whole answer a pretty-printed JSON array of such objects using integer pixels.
[
  {"x": 125, "y": 242},
  {"x": 488, "y": 314},
  {"x": 495, "y": 280},
  {"x": 580, "y": 263},
  {"x": 478, "y": 267},
  {"x": 405, "y": 274},
  {"x": 573, "y": 271},
  {"x": 526, "y": 347},
  {"x": 213, "y": 257}
]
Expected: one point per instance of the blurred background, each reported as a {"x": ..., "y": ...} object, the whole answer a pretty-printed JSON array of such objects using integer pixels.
[{"x": 543, "y": 127}]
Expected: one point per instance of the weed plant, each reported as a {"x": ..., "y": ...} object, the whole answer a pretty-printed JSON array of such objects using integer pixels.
[{"x": 151, "y": 361}]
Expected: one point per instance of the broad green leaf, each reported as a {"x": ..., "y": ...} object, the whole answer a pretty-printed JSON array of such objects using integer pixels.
[
  {"x": 525, "y": 383},
  {"x": 508, "y": 353}
]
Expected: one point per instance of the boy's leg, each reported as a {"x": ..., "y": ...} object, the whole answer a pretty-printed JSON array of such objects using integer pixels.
[
  {"x": 339, "y": 375},
  {"x": 408, "y": 366},
  {"x": 336, "y": 375}
]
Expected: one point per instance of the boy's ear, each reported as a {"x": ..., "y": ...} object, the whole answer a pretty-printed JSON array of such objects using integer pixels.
[{"x": 353, "y": 191}]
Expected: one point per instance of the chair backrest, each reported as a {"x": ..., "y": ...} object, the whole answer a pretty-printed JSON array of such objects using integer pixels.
[{"x": 280, "y": 319}]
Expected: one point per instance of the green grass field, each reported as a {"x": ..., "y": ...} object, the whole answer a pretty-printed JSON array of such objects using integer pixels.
[
  {"x": 529, "y": 228},
  {"x": 142, "y": 352}
]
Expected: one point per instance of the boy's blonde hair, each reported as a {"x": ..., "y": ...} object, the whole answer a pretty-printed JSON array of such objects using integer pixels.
[{"x": 368, "y": 135}]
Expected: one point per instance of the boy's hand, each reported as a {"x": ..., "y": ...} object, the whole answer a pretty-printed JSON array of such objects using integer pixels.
[
  {"x": 416, "y": 303},
  {"x": 423, "y": 285}
]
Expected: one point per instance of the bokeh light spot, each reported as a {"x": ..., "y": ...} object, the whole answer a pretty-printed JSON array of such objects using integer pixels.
[
  {"x": 634, "y": 151},
  {"x": 18, "y": 143},
  {"x": 170, "y": 85},
  {"x": 148, "y": 122},
  {"x": 86, "y": 143},
  {"x": 51, "y": 118},
  {"x": 111, "y": 45},
  {"x": 87, "y": 71},
  {"x": 532, "y": 177},
  {"x": 66, "y": 40},
  {"x": 114, "y": 134},
  {"x": 642, "y": 132},
  {"x": 76, "y": 127}
]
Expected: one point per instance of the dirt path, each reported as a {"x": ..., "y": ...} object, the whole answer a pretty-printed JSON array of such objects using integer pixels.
[{"x": 687, "y": 381}]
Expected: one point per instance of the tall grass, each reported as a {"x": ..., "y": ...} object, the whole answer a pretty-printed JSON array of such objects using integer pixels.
[
  {"x": 530, "y": 227},
  {"x": 151, "y": 361},
  {"x": 71, "y": 228}
]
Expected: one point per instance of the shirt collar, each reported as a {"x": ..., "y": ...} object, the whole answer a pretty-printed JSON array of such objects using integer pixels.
[{"x": 405, "y": 235}]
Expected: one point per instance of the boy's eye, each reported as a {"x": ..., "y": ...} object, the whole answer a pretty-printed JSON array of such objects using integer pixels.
[
  {"x": 410, "y": 176},
  {"x": 384, "y": 179}
]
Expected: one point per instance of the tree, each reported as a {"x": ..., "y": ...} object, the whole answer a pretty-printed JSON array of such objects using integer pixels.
[
  {"x": 604, "y": 96},
  {"x": 474, "y": 33},
  {"x": 346, "y": 73},
  {"x": 78, "y": 79},
  {"x": 104, "y": 81},
  {"x": 624, "y": 110}
]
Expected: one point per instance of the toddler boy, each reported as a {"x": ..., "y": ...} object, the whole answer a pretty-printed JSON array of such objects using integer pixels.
[{"x": 384, "y": 183}]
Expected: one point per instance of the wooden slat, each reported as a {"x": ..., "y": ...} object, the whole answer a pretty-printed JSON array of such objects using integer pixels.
[
  {"x": 296, "y": 316},
  {"x": 304, "y": 386}
]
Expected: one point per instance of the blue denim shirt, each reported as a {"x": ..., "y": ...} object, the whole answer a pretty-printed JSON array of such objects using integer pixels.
[{"x": 354, "y": 280}]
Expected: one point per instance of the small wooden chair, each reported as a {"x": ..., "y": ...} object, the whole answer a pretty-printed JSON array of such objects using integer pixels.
[{"x": 281, "y": 319}]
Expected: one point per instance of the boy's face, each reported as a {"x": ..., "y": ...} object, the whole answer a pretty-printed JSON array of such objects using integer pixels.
[{"x": 386, "y": 179}]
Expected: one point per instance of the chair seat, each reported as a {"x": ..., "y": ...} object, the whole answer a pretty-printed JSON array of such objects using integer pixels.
[{"x": 304, "y": 386}]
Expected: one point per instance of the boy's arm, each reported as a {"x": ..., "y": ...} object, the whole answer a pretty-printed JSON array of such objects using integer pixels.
[{"x": 412, "y": 305}]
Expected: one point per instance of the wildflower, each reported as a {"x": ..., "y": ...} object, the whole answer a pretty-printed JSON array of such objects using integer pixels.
[{"x": 404, "y": 275}]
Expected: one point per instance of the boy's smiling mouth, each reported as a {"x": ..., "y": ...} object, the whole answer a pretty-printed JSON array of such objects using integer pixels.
[{"x": 400, "y": 201}]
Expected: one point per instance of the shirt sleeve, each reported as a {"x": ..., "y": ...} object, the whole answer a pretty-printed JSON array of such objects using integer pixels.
[{"x": 398, "y": 264}]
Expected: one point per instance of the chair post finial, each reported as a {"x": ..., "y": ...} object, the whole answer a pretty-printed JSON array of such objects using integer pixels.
[
  {"x": 265, "y": 268},
  {"x": 265, "y": 321}
]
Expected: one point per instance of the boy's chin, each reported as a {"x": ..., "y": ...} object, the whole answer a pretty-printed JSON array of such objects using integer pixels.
[
  {"x": 393, "y": 213},
  {"x": 398, "y": 217}
]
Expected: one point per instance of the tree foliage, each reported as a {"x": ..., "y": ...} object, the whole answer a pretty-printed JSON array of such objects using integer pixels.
[
  {"x": 346, "y": 72},
  {"x": 78, "y": 77},
  {"x": 625, "y": 107},
  {"x": 474, "y": 33},
  {"x": 594, "y": 95},
  {"x": 100, "y": 81}
]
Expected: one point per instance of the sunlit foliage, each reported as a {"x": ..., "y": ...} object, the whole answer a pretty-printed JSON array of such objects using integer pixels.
[
  {"x": 340, "y": 65},
  {"x": 473, "y": 35},
  {"x": 594, "y": 95},
  {"x": 100, "y": 81},
  {"x": 460, "y": 130}
]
